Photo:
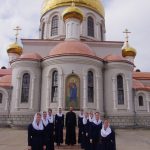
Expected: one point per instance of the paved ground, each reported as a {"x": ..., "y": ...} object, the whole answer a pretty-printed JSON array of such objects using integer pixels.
[{"x": 12, "y": 139}]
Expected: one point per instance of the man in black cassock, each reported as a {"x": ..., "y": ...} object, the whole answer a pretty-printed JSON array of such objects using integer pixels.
[
  {"x": 70, "y": 127},
  {"x": 59, "y": 124}
]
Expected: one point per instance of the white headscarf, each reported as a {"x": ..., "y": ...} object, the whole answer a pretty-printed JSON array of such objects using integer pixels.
[
  {"x": 97, "y": 122},
  {"x": 81, "y": 115},
  {"x": 59, "y": 114},
  {"x": 45, "y": 121},
  {"x": 105, "y": 132},
  {"x": 34, "y": 124},
  {"x": 50, "y": 118},
  {"x": 91, "y": 119},
  {"x": 84, "y": 120}
]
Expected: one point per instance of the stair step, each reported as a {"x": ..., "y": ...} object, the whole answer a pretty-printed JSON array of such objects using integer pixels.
[{"x": 63, "y": 147}]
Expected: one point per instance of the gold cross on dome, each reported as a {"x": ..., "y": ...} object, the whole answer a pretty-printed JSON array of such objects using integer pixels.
[
  {"x": 127, "y": 34},
  {"x": 17, "y": 29}
]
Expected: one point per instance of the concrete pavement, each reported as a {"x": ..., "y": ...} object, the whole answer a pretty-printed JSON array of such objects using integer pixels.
[{"x": 13, "y": 139}]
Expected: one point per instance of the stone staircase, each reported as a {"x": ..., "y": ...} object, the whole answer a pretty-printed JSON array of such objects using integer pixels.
[{"x": 66, "y": 147}]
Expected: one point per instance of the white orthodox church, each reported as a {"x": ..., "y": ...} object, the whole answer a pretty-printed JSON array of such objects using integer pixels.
[{"x": 72, "y": 64}]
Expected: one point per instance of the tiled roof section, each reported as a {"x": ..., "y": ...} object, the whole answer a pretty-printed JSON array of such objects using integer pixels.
[
  {"x": 5, "y": 81},
  {"x": 137, "y": 85},
  {"x": 32, "y": 56},
  {"x": 141, "y": 75},
  {"x": 4, "y": 72},
  {"x": 116, "y": 58}
]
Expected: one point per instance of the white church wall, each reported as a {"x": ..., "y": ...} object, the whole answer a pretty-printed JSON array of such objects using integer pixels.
[
  {"x": 145, "y": 108},
  {"x": 19, "y": 68},
  {"x": 43, "y": 47},
  {"x": 111, "y": 98},
  {"x": 5, "y": 101},
  {"x": 77, "y": 66},
  {"x": 102, "y": 49}
]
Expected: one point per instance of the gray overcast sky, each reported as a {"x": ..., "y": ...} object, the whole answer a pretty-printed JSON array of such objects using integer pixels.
[{"x": 120, "y": 14}]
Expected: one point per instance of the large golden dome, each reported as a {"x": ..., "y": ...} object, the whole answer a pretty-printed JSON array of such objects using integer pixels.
[{"x": 95, "y": 5}]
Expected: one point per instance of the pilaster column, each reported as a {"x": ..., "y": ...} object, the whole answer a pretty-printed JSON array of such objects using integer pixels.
[
  {"x": 46, "y": 29},
  {"x": 48, "y": 83},
  {"x": 97, "y": 92},
  {"x": 60, "y": 91},
  {"x": 114, "y": 92},
  {"x": 33, "y": 80},
  {"x": 18, "y": 92},
  {"x": 6, "y": 104},
  {"x": 62, "y": 27},
  {"x": 84, "y": 91},
  {"x": 98, "y": 30},
  {"x": 127, "y": 93}
]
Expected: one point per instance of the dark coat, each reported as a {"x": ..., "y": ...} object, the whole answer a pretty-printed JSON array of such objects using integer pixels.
[
  {"x": 49, "y": 136},
  {"x": 107, "y": 143},
  {"x": 94, "y": 131},
  {"x": 36, "y": 138},
  {"x": 81, "y": 129},
  {"x": 59, "y": 125}
]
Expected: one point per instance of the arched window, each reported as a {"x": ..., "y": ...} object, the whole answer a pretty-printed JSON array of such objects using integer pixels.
[
  {"x": 90, "y": 26},
  {"x": 1, "y": 97},
  {"x": 90, "y": 87},
  {"x": 43, "y": 29},
  {"x": 141, "y": 102},
  {"x": 120, "y": 90},
  {"x": 25, "y": 88},
  {"x": 54, "y": 91},
  {"x": 54, "y": 26}
]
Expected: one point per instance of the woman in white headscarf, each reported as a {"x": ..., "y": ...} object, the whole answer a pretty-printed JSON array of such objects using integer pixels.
[
  {"x": 107, "y": 137},
  {"x": 36, "y": 135}
]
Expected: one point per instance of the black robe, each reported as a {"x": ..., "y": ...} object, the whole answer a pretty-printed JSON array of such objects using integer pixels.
[
  {"x": 49, "y": 136},
  {"x": 94, "y": 134},
  {"x": 59, "y": 124},
  {"x": 81, "y": 129},
  {"x": 107, "y": 143},
  {"x": 88, "y": 136},
  {"x": 85, "y": 137},
  {"x": 36, "y": 138},
  {"x": 70, "y": 128}
]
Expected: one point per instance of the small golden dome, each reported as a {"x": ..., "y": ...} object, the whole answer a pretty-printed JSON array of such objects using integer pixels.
[
  {"x": 15, "y": 48},
  {"x": 72, "y": 12},
  {"x": 95, "y": 5},
  {"x": 128, "y": 50}
]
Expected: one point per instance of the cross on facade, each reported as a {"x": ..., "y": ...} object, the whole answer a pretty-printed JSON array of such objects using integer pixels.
[
  {"x": 17, "y": 29},
  {"x": 127, "y": 34}
]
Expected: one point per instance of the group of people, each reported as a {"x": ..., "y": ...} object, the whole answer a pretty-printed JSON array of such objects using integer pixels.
[
  {"x": 47, "y": 129},
  {"x": 95, "y": 134}
]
